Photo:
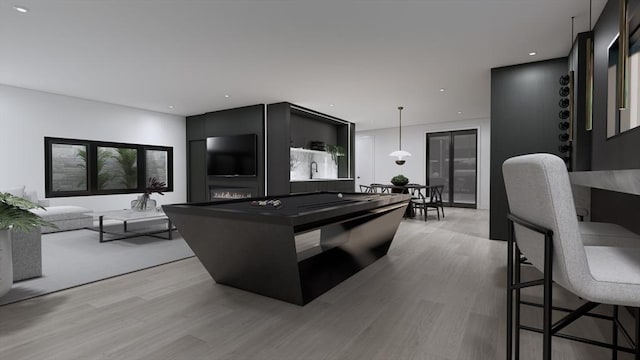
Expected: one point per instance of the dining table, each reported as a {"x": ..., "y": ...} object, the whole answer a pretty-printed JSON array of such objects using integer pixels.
[{"x": 404, "y": 189}]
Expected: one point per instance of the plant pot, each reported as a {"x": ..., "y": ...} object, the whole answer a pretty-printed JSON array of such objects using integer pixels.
[
  {"x": 143, "y": 203},
  {"x": 400, "y": 183},
  {"x": 6, "y": 262}
]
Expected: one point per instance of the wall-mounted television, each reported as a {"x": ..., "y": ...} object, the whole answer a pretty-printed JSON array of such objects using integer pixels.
[{"x": 232, "y": 156}]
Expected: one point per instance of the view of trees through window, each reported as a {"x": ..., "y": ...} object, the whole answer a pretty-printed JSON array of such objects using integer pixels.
[
  {"x": 69, "y": 167},
  {"x": 117, "y": 168},
  {"x": 83, "y": 167}
]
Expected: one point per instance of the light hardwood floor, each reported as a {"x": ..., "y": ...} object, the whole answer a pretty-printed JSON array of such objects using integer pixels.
[{"x": 439, "y": 294}]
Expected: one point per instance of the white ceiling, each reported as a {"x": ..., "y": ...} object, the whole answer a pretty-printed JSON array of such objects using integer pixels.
[{"x": 363, "y": 57}]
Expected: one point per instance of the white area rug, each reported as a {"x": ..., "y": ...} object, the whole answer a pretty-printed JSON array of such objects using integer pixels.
[{"x": 73, "y": 258}]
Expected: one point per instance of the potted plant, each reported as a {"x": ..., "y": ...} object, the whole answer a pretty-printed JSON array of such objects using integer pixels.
[
  {"x": 336, "y": 151},
  {"x": 399, "y": 180},
  {"x": 144, "y": 202},
  {"x": 14, "y": 215}
]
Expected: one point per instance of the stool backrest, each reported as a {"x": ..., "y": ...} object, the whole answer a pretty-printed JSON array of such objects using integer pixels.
[{"x": 539, "y": 191}]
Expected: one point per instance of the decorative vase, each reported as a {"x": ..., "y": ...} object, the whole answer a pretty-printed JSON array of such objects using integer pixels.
[
  {"x": 143, "y": 203},
  {"x": 6, "y": 262}
]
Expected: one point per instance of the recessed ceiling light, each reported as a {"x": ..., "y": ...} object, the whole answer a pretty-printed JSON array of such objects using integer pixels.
[
  {"x": 442, "y": 90},
  {"x": 226, "y": 95},
  {"x": 532, "y": 53},
  {"x": 330, "y": 105},
  {"x": 459, "y": 112},
  {"x": 20, "y": 9},
  {"x": 170, "y": 106}
]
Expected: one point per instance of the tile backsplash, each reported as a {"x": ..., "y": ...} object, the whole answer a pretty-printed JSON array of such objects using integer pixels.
[{"x": 302, "y": 160}]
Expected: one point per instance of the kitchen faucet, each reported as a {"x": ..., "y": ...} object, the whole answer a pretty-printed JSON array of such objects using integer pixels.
[{"x": 311, "y": 173}]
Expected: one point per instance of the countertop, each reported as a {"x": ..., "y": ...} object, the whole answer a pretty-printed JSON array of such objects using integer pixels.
[{"x": 320, "y": 179}]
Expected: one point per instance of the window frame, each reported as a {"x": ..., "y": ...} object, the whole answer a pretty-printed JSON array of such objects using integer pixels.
[{"x": 92, "y": 164}]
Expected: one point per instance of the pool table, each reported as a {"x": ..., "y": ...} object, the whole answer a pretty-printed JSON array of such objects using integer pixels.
[{"x": 290, "y": 247}]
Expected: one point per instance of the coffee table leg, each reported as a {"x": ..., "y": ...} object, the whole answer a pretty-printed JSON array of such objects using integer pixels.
[
  {"x": 101, "y": 228},
  {"x": 170, "y": 236},
  {"x": 125, "y": 226}
]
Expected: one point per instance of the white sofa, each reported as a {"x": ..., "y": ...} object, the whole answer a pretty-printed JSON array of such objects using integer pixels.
[
  {"x": 26, "y": 248},
  {"x": 65, "y": 217}
]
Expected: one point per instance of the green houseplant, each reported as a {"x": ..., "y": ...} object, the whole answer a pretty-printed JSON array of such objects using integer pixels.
[
  {"x": 14, "y": 215},
  {"x": 399, "y": 180},
  {"x": 336, "y": 151}
]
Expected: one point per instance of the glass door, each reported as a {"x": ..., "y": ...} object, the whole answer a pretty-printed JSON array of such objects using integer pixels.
[
  {"x": 438, "y": 150},
  {"x": 459, "y": 176}
]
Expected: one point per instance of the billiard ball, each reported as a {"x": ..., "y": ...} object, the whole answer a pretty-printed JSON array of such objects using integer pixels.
[{"x": 340, "y": 195}]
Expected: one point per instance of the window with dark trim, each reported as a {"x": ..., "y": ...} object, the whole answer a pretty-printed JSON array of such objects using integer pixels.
[{"x": 83, "y": 167}]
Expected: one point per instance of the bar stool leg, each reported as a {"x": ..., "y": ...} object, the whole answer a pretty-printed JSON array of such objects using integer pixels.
[
  {"x": 517, "y": 280},
  {"x": 510, "y": 257},
  {"x": 637, "y": 355},
  {"x": 614, "y": 336},
  {"x": 548, "y": 298}
]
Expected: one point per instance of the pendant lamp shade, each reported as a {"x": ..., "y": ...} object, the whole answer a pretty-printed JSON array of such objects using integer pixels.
[{"x": 400, "y": 154}]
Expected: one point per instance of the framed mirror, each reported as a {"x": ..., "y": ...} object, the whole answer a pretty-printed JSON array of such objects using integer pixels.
[
  {"x": 613, "y": 114},
  {"x": 628, "y": 118}
]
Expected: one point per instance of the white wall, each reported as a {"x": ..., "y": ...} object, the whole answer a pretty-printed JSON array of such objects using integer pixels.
[
  {"x": 414, "y": 141},
  {"x": 27, "y": 116}
]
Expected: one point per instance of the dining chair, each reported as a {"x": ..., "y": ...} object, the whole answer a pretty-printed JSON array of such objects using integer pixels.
[
  {"x": 599, "y": 263},
  {"x": 418, "y": 200},
  {"x": 379, "y": 188},
  {"x": 423, "y": 199},
  {"x": 366, "y": 189},
  {"x": 435, "y": 192}
]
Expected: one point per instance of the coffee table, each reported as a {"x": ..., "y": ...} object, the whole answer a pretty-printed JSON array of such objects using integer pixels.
[{"x": 128, "y": 215}]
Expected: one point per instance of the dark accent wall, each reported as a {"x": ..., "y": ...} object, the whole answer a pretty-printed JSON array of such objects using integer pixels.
[
  {"x": 238, "y": 121},
  {"x": 278, "y": 125},
  {"x": 524, "y": 119},
  {"x": 618, "y": 152}
]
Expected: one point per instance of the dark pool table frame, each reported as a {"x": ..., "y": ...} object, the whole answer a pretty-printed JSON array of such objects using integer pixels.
[{"x": 253, "y": 248}]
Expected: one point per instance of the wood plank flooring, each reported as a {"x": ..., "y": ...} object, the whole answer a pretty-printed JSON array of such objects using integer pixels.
[{"x": 438, "y": 295}]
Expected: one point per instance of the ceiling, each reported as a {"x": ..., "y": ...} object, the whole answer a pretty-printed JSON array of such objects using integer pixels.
[{"x": 354, "y": 59}]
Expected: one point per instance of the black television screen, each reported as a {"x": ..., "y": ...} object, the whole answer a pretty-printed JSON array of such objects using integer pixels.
[{"x": 232, "y": 155}]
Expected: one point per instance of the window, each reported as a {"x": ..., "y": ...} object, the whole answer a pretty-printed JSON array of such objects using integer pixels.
[
  {"x": 69, "y": 168},
  {"x": 83, "y": 167}
]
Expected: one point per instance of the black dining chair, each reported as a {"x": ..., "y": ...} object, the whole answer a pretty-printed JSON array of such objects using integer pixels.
[
  {"x": 366, "y": 189},
  {"x": 435, "y": 200},
  {"x": 379, "y": 188},
  {"x": 419, "y": 200},
  {"x": 429, "y": 199}
]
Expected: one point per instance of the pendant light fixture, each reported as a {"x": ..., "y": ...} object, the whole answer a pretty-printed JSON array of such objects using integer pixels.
[{"x": 400, "y": 154}]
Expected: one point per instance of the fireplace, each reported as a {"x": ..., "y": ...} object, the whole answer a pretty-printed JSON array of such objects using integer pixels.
[{"x": 227, "y": 192}]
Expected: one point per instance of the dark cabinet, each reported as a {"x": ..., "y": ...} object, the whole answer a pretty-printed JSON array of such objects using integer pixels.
[
  {"x": 286, "y": 125},
  {"x": 312, "y": 186}
]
